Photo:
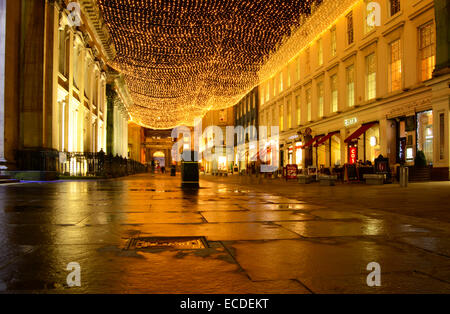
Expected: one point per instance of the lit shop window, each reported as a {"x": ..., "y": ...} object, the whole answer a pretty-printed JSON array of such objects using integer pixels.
[
  {"x": 298, "y": 153},
  {"x": 350, "y": 85},
  {"x": 320, "y": 52},
  {"x": 333, "y": 41},
  {"x": 373, "y": 143},
  {"x": 320, "y": 98},
  {"x": 335, "y": 150},
  {"x": 395, "y": 66},
  {"x": 334, "y": 93},
  {"x": 425, "y": 134},
  {"x": 427, "y": 51},
  {"x": 371, "y": 77}
]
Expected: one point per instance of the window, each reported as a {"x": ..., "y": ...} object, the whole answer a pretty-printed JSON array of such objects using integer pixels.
[
  {"x": 320, "y": 98},
  {"x": 308, "y": 103},
  {"x": 262, "y": 95},
  {"x": 87, "y": 81},
  {"x": 427, "y": 51},
  {"x": 95, "y": 96},
  {"x": 289, "y": 113},
  {"x": 274, "y": 120},
  {"x": 320, "y": 52},
  {"x": 268, "y": 91},
  {"x": 281, "y": 118},
  {"x": 62, "y": 52},
  {"x": 274, "y": 85},
  {"x": 297, "y": 105},
  {"x": 350, "y": 73},
  {"x": 395, "y": 66},
  {"x": 350, "y": 28},
  {"x": 394, "y": 7},
  {"x": 76, "y": 54},
  {"x": 425, "y": 134},
  {"x": 289, "y": 76},
  {"x": 281, "y": 82},
  {"x": 334, "y": 93},
  {"x": 371, "y": 77},
  {"x": 308, "y": 60},
  {"x": 297, "y": 70},
  {"x": 333, "y": 41}
]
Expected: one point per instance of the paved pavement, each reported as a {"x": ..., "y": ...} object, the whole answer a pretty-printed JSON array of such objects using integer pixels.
[{"x": 262, "y": 237}]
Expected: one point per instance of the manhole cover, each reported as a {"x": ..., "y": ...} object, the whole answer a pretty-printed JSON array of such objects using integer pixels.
[{"x": 179, "y": 243}]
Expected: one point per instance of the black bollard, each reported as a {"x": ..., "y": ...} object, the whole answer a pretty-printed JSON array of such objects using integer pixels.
[{"x": 190, "y": 177}]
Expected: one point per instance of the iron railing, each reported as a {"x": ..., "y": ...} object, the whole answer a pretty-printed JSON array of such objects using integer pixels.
[{"x": 78, "y": 164}]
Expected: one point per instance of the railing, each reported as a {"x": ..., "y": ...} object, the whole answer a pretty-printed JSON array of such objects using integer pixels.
[{"x": 78, "y": 164}]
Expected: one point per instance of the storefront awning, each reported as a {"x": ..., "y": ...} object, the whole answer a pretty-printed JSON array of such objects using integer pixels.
[
  {"x": 325, "y": 138},
  {"x": 359, "y": 132},
  {"x": 311, "y": 141}
]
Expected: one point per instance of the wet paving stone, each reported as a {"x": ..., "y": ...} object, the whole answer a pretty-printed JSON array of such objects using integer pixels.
[{"x": 260, "y": 239}]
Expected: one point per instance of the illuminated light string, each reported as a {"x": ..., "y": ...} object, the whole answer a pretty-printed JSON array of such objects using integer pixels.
[{"x": 182, "y": 58}]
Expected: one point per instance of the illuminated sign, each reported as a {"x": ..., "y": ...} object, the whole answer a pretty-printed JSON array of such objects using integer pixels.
[
  {"x": 351, "y": 121},
  {"x": 353, "y": 154}
]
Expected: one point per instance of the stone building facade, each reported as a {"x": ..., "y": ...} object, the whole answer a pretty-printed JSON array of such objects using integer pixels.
[
  {"x": 360, "y": 90},
  {"x": 55, "y": 78}
]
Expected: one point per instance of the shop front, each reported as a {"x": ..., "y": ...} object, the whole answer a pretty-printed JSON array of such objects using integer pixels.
[
  {"x": 329, "y": 150},
  {"x": 414, "y": 133},
  {"x": 363, "y": 144}
]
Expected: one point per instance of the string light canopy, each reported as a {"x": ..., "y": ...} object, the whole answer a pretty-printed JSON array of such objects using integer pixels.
[{"x": 182, "y": 58}]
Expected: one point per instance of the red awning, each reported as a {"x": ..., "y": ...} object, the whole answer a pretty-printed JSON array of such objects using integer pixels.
[
  {"x": 311, "y": 141},
  {"x": 359, "y": 132},
  {"x": 325, "y": 138}
]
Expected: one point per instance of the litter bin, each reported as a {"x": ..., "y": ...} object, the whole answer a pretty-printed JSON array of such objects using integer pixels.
[
  {"x": 404, "y": 176},
  {"x": 173, "y": 171}
]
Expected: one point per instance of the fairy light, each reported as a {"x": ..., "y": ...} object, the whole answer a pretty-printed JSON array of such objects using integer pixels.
[{"x": 183, "y": 58}]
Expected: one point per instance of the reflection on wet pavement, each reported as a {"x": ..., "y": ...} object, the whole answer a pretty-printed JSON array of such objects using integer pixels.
[{"x": 257, "y": 241}]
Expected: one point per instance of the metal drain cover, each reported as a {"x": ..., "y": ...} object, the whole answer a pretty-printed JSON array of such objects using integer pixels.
[{"x": 179, "y": 243}]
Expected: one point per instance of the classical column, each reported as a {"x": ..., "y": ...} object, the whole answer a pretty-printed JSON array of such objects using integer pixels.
[{"x": 2, "y": 82}]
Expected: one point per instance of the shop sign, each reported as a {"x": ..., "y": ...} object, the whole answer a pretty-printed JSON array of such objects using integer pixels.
[
  {"x": 291, "y": 171},
  {"x": 353, "y": 153},
  {"x": 350, "y": 121}
]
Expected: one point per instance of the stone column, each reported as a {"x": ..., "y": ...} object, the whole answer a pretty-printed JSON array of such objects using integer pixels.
[
  {"x": 343, "y": 133},
  {"x": 2, "y": 82},
  {"x": 384, "y": 137}
]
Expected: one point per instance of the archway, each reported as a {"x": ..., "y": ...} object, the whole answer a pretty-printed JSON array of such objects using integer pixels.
[{"x": 159, "y": 159}]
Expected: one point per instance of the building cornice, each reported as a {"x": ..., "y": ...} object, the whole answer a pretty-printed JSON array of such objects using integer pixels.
[{"x": 95, "y": 22}]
